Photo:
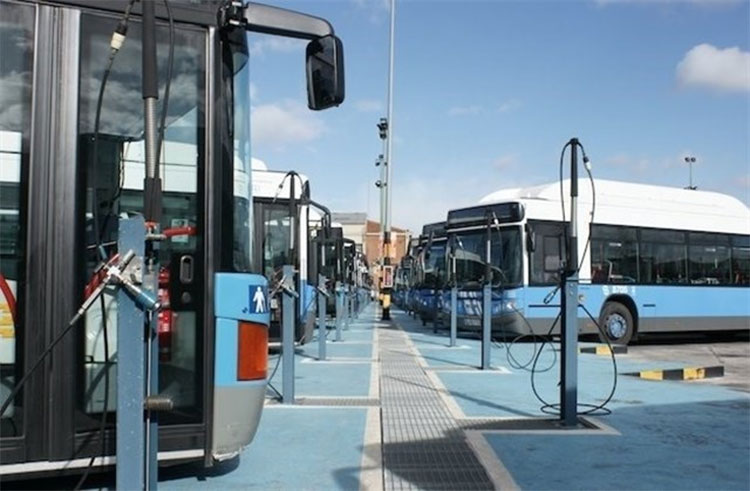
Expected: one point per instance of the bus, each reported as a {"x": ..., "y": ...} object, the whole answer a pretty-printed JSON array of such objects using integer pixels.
[
  {"x": 653, "y": 259},
  {"x": 411, "y": 300},
  {"x": 273, "y": 247},
  {"x": 61, "y": 201},
  {"x": 402, "y": 280},
  {"x": 430, "y": 271}
]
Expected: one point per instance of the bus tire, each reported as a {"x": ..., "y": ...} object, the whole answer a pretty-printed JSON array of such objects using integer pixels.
[{"x": 617, "y": 323}]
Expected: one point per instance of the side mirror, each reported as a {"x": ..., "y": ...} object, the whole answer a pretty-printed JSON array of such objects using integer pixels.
[{"x": 325, "y": 73}]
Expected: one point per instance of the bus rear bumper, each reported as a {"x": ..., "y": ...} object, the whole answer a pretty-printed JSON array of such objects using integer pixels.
[{"x": 237, "y": 411}]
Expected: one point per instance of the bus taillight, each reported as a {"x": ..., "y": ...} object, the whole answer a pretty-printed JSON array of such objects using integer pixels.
[{"x": 252, "y": 356}]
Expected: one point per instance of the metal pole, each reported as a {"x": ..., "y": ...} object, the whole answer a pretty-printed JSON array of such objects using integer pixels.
[
  {"x": 389, "y": 141},
  {"x": 569, "y": 362},
  {"x": 150, "y": 93},
  {"x": 131, "y": 372},
  {"x": 345, "y": 305},
  {"x": 389, "y": 170},
  {"x": 454, "y": 314},
  {"x": 381, "y": 188},
  {"x": 287, "y": 335},
  {"x": 322, "y": 331},
  {"x": 487, "y": 302},
  {"x": 339, "y": 309},
  {"x": 486, "y": 325}
]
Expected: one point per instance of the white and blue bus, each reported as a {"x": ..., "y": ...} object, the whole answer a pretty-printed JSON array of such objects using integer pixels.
[
  {"x": 54, "y": 186},
  {"x": 430, "y": 271},
  {"x": 274, "y": 247},
  {"x": 654, "y": 259}
]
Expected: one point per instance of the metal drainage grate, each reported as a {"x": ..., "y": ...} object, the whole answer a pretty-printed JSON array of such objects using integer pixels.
[
  {"x": 329, "y": 401},
  {"x": 424, "y": 447},
  {"x": 337, "y": 401},
  {"x": 539, "y": 424}
]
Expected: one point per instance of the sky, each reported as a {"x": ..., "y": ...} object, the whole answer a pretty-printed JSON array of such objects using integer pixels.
[{"x": 486, "y": 93}]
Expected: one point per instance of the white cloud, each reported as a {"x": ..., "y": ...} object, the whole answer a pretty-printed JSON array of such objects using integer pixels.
[
  {"x": 721, "y": 69},
  {"x": 260, "y": 45},
  {"x": 377, "y": 10},
  {"x": 464, "y": 110},
  {"x": 253, "y": 92},
  {"x": 368, "y": 105},
  {"x": 505, "y": 162},
  {"x": 509, "y": 105},
  {"x": 284, "y": 123},
  {"x": 425, "y": 199}
]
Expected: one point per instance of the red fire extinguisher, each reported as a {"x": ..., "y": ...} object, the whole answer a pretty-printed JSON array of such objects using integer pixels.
[{"x": 166, "y": 317}]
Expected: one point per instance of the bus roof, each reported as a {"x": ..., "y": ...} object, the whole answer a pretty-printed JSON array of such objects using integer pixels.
[
  {"x": 266, "y": 184},
  {"x": 635, "y": 204}
]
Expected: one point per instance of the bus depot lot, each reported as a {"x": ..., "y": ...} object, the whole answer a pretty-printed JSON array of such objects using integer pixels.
[
  {"x": 660, "y": 435},
  {"x": 394, "y": 408},
  {"x": 732, "y": 351}
]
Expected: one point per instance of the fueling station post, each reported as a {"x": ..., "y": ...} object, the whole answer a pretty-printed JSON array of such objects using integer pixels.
[{"x": 569, "y": 305}]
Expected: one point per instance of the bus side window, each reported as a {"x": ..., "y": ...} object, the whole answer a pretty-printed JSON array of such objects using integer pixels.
[{"x": 547, "y": 253}]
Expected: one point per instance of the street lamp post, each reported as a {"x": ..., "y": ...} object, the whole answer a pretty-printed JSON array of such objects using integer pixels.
[
  {"x": 690, "y": 161},
  {"x": 384, "y": 221}
]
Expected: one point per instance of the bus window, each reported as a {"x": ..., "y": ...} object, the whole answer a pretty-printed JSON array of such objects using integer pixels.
[
  {"x": 663, "y": 257},
  {"x": 709, "y": 259},
  {"x": 17, "y": 41},
  {"x": 114, "y": 189},
  {"x": 469, "y": 249},
  {"x": 275, "y": 248},
  {"x": 741, "y": 260},
  {"x": 434, "y": 266},
  {"x": 506, "y": 256},
  {"x": 242, "y": 219},
  {"x": 544, "y": 261},
  {"x": 614, "y": 254}
]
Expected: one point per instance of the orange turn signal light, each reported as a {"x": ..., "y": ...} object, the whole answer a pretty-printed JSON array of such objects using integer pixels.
[{"x": 252, "y": 356}]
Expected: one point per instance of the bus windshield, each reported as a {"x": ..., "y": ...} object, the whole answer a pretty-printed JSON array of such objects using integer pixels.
[
  {"x": 505, "y": 257},
  {"x": 242, "y": 196},
  {"x": 434, "y": 266}
]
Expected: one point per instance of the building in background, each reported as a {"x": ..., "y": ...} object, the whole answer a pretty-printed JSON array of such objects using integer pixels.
[{"x": 368, "y": 236}]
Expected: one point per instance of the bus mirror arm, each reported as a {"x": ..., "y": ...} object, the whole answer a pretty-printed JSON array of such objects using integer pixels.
[
  {"x": 326, "y": 213},
  {"x": 265, "y": 19}
]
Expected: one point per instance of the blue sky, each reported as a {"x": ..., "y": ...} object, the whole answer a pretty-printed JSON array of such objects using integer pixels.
[{"x": 487, "y": 92}]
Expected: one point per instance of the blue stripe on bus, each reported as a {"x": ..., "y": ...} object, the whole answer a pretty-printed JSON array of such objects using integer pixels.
[{"x": 650, "y": 300}]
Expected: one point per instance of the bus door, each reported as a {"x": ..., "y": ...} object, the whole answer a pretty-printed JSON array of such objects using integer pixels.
[
  {"x": 60, "y": 201},
  {"x": 112, "y": 190},
  {"x": 17, "y": 35}
]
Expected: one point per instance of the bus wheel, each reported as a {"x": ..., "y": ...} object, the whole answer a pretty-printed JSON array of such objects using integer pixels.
[{"x": 617, "y": 323}]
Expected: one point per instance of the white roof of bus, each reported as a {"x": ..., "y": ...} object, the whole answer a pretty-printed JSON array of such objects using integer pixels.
[
  {"x": 266, "y": 184},
  {"x": 257, "y": 164},
  {"x": 635, "y": 204}
]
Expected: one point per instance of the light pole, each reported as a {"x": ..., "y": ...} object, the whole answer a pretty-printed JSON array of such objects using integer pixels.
[
  {"x": 388, "y": 140},
  {"x": 690, "y": 161},
  {"x": 384, "y": 225}
]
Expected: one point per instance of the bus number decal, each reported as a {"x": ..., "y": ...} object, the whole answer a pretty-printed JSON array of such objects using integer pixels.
[{"x": 608, "y": 290}]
